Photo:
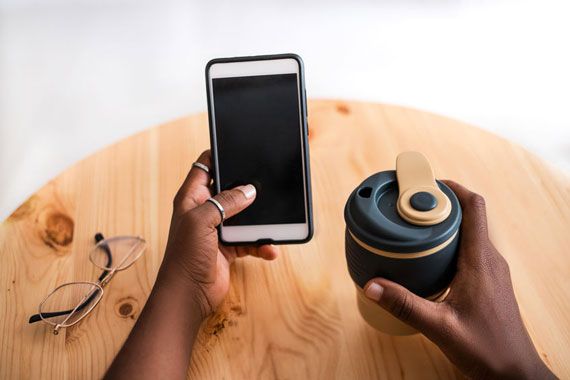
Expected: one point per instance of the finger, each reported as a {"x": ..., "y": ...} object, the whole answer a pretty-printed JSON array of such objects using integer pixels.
[
  {"x": 266, "y": 252},
  {"x": 232, "y": 201},
  {"x": 241, "y": 251},
  {"x": 195, "y": 188},
  {"x": 247, "y": 250},
  {"x": 230, "y": 253},
  {"x": 476, "y": 252},
  {"x": 421, "y": 314},
  {"x": 474, "y": 222},
  {"x": 197, "y": 176}
]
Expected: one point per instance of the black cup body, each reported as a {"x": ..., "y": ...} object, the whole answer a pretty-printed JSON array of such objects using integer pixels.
[
  {"x": 379, "y": 243},
  {"x": 424, "y": 276}
]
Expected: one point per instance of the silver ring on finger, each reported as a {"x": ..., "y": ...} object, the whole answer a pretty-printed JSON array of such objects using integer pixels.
[
  {"x": 219, "y": 207},
  {"x": 200, "y": 165}
]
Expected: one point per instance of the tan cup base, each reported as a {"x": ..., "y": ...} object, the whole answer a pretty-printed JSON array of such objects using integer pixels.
[{"x": 382, "y": 320}]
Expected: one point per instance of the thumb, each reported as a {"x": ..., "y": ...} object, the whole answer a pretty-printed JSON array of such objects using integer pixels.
[
  {"x": 421, "y": 314},
  {"x": 232, "y": 201}
]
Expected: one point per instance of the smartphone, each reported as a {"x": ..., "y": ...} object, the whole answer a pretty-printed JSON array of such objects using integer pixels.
[{"x": 258, "y": 134}]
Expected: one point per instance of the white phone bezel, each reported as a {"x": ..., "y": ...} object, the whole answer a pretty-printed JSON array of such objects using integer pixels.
[{"x": 274, "y": 232}]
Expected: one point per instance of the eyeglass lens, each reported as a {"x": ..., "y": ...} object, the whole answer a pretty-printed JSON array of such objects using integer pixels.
[
  {"x": 117, "y": 252},
  {"x": 69, "y": 303}
]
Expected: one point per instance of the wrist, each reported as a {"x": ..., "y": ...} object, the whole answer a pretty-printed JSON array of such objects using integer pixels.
[
  {"x": 173, "y": 282},
  {"x": 540, "y": 371},
  {"x": 532, "y": 368}
]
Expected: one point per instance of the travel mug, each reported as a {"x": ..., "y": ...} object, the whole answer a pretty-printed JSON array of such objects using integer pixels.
[{"x": 402, "y": 225}]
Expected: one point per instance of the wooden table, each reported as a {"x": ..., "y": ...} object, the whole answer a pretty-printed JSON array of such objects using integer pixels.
[{"x": 294, "y": 318}]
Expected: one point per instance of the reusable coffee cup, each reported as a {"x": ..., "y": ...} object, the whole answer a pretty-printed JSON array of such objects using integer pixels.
[{"x": 402, "y": 225}]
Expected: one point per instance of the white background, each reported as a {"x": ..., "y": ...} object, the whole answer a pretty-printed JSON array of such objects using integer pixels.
[{"x": 76, "y": 76}]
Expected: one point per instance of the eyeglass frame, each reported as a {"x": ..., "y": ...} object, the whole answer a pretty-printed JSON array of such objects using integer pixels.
[{"x": 102, "y": 281}]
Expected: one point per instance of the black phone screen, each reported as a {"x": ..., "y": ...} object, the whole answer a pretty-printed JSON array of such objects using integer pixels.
[{"x": 258, "y": 136}]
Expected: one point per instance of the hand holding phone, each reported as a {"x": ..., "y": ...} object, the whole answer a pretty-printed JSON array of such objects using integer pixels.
[{"x": 258, "y": 135}]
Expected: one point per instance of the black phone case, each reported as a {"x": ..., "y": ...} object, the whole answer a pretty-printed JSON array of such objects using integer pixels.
[{"x": 304, "y": 114}]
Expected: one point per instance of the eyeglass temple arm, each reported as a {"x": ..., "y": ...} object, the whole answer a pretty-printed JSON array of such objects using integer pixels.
[{"x": 98, "y": 238}]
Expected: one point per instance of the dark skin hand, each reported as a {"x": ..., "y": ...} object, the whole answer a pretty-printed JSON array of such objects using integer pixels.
[
  {"x": 478, "y": 326},
  {"x": 482, "y": 334},
  {"x": 192, "y": 281}
]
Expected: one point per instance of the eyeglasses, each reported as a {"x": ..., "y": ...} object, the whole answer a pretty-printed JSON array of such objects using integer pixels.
[{"x": 76, "y": 300}]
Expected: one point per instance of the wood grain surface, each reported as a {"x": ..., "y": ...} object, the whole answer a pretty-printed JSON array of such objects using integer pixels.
[{"x": 294, "y": 318}]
